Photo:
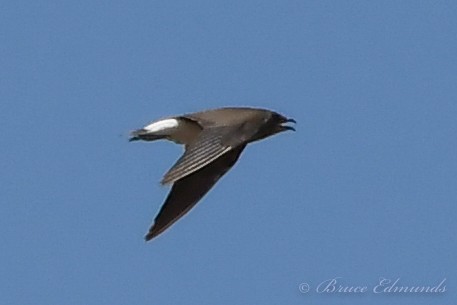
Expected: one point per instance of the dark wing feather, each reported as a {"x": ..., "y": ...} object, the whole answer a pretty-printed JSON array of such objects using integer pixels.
[
  {"x": 207, "y": 147},
  {"x": 187, "y": 191}
]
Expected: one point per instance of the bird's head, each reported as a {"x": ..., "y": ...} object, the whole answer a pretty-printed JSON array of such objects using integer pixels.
[{"x": 273, "y": 123}]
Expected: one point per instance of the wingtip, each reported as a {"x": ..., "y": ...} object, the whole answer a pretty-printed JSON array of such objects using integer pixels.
[
  {"x": 148, "y": 237},
  {"x": 153, "y": 232}
]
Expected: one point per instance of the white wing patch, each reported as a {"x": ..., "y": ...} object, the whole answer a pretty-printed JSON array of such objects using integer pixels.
[{"x": 157, "y": 127}]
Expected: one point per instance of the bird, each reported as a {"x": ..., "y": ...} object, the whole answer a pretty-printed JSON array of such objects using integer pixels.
[{"x": 213, "y": 141}]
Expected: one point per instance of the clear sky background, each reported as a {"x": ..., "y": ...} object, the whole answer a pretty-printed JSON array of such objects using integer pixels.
[{"x": 365, "y": 189}]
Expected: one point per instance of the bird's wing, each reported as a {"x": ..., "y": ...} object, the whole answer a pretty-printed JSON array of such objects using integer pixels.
[
  {"x": 210, "y": 145},
  {"x": 186, "y": 192}
]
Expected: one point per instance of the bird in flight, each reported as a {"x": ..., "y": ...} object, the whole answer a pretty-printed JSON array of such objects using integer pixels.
[{"x": 213, "y": 141}]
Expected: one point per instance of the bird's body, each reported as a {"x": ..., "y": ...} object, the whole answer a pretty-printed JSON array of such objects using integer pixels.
[{"x": 214, "y": 140}]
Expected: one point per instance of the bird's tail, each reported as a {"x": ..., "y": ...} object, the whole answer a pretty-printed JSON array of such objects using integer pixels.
[{"x": 145, "y": 135}]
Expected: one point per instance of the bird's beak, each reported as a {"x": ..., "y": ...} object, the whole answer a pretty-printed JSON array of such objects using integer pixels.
[{"x": 286, "y": 127}]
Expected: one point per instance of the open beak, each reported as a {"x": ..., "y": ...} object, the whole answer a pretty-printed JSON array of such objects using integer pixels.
[{"x": 287, "y": 127}]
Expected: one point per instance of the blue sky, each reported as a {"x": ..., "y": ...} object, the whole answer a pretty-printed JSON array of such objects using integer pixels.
[{"x": 365, "y": 189}]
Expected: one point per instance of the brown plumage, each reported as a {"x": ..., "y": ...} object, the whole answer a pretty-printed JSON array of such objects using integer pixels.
[{"x": 214, "y": 140}]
